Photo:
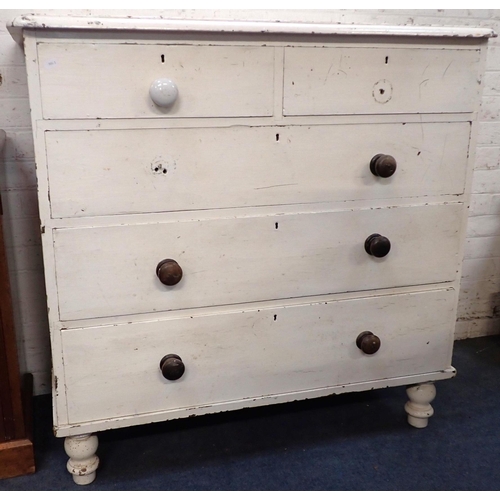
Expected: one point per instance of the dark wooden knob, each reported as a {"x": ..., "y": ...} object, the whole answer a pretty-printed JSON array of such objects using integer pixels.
[
  {"x": 368, "y": 342},
  {"x": 383, "y": 165},
  {"x": 377, "y": 245},
  {"x": 169, "y": 272},
  {"x": 172, "y": 367}
]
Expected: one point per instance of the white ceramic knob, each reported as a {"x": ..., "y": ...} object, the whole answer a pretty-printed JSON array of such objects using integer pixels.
[{"x": 163, "y": 92}]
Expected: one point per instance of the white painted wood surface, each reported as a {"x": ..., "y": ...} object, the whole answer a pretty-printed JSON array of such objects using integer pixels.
[
  {"x": 113, "y": 80},
  {"x": 107, "y": 172},
  {"x": 145, "y": 23},
  {"x": 345, "y": 80},
  {"x": 65, "y": 429},
  {"x": 114, "y": 371},
  {"x": 18, "y": 181},
  {"x": 418, "y": 407},
  {"x": 103, "y": 254},
  {"x": 110, "y": 270},
  {"x": 83, "y": 461}
]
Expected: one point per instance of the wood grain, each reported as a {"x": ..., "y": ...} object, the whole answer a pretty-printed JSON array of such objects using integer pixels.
[{"x": 16, "y": 458}]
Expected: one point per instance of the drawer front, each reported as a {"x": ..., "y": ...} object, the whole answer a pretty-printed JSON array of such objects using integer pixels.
[
  {"x": 107, "y": 271},
  {"x": 137, "y": 171},
  {"x": 114, "y": 371},
  {"x": 113, "y": 80},
  {"x": 330, "y": 81}
]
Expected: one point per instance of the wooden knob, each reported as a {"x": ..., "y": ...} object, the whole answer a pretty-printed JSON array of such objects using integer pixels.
[
  {"x": 377, "y": 245},
  {"x": 368, "y": 342},
  {"x": 383, "y": 165},
  {"x": 172, "y": 367},
  {"x": 169, "y": 272}
]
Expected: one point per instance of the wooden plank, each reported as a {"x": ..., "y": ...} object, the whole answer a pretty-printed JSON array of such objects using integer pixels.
[
  {"x": 337, "y": 81},
  {"x": 107, "y": 172},
  {"x": 211, "y": 81},
  {"x": 16, "y": 458},
  {"x": 110, "y": 270},
  {"x": 114, "y": 371},
  {"x": 234, "y": 26}
]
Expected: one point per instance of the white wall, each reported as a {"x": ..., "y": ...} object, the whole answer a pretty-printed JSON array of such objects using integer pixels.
[{"x": 479, "y": 309}]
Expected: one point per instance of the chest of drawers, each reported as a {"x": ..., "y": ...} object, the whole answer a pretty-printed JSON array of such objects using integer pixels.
[{"x": 238, "y": 214}]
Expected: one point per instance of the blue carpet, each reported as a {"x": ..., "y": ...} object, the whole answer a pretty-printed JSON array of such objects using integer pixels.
[{"x": 348, "y": 442}]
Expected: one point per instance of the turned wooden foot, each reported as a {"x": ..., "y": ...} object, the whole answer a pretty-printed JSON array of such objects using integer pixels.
[
  {"x": 83, "y": 461},
  {"x": 418, "y": 408}
]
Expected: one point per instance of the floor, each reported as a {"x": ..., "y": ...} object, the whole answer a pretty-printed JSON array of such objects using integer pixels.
[{"x": 348, "y": 442}]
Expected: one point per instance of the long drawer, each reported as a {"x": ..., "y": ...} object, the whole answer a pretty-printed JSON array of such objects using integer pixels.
[
  {"x": 88, "y": 80},
  {"x": 360, "y": 80},
  {"x": 105, "y": 172},
  {"x": 111, "y": 270},
  {"x": 113, "y": 371}
]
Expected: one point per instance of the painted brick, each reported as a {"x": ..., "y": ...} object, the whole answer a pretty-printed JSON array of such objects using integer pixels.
[
  {"x": 11, "y": 54},
  {"x": 484, "y": 225},
  {"x": 489, "y": 133},
  {"x": 477, "y": 328},
  {"x": 462, "y": 329},
  {"x": 481, "y": 269},
  {"x": 482, "y": 247},
  {"x": 18, "y": 175},
  {"x": 479, "y": 204},
  {"x": 490, "y": 108},
  {"x": 13, "y": 82},
  {"x": 484, "y": 327},
  {"x": 493, "y": 58},
  {"x": 18, "y": 145},
  {"x": 486, "y": 181},
  {"x": 479, "y": 299},
  {"x": 495, "y": 204},
  {"x": 14, "y": 112},
  {"x": 487, "y": 157},
  {"x": 491, "y": 83}
]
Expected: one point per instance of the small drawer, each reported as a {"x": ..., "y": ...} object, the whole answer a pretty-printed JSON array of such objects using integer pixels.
[
  {"x": 114, "y": 371},
  {"x": 107, "y": 172},
  {"x": 113, "y": 270},
  {"x": 88, "y": 80},
  {"x": 348, "y": 80}
]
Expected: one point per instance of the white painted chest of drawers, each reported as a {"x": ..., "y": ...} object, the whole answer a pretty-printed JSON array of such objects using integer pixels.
[{"x": 290, "y": 225}]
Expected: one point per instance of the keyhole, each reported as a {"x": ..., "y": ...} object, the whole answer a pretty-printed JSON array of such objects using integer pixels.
[
  {"x": 381, "y": 91},
  {"x": 386, "y": 59},
  {"x": 277, "y": 137},
  {"x": 275, "y": 317},
  {"x": 275, "y": 225},
  {"x": 162, "y": 58}
]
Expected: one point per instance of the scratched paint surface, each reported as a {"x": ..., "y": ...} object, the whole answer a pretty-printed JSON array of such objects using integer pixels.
[
  {"x": 345, "y": 80},
  {"x": 287, "y": 167},
  {"x": 113, "y": 371},
  {"x": 478, "y": 305}
]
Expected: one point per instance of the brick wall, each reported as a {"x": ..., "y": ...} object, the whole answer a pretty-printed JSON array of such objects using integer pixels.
[{"x": 479, "y": 308}]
